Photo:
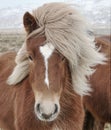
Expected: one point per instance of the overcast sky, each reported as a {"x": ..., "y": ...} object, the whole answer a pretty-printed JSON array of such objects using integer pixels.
[{"x": 12, "y": 3}]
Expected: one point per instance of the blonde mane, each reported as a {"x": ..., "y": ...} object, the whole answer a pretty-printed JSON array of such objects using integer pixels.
[{"x": 67, "y": 30}]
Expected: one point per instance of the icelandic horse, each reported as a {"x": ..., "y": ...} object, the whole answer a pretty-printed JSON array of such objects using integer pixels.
[{"x": 41, "y": 86}]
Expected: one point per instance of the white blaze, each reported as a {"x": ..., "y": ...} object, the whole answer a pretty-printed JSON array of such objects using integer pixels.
[{"x": 46, "y": 51}]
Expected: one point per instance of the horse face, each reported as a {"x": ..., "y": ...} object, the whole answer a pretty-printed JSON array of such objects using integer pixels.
[{"x": 47, "y": 77}]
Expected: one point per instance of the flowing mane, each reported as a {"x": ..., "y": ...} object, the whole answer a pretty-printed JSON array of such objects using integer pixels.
[{"x": 66, "y": 29}]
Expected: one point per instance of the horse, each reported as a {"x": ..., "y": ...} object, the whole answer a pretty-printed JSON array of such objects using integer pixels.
[
  {"x": 98, "y": 104},
  {"x": 42, "y": 85}
]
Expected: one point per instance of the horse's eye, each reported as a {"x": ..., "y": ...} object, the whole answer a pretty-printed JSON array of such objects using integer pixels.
[
  {"x": 30, "y": 58},
  {"x": 62, "y": 58}
]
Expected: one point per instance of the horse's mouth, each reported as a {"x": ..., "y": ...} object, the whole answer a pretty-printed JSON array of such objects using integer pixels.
[{"x": 47, "y": 118}]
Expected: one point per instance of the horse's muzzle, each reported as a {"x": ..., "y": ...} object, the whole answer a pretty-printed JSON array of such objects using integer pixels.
[{"x": 47, "y": 112}]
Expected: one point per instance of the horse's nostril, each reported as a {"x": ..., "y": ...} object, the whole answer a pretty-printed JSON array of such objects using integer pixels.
[
  {"x": 56, "y": 109},
  {"x": 38, "y": 107}
]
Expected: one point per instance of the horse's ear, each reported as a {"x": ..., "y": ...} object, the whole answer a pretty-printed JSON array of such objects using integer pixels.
[{"x": 29, "y": 22}]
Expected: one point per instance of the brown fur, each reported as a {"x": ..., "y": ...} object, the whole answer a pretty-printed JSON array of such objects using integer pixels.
[{"x": 99, "y": 103}]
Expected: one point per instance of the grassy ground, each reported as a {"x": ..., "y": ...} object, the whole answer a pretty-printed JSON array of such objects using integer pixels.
[{"x": 11, "y": 41}]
